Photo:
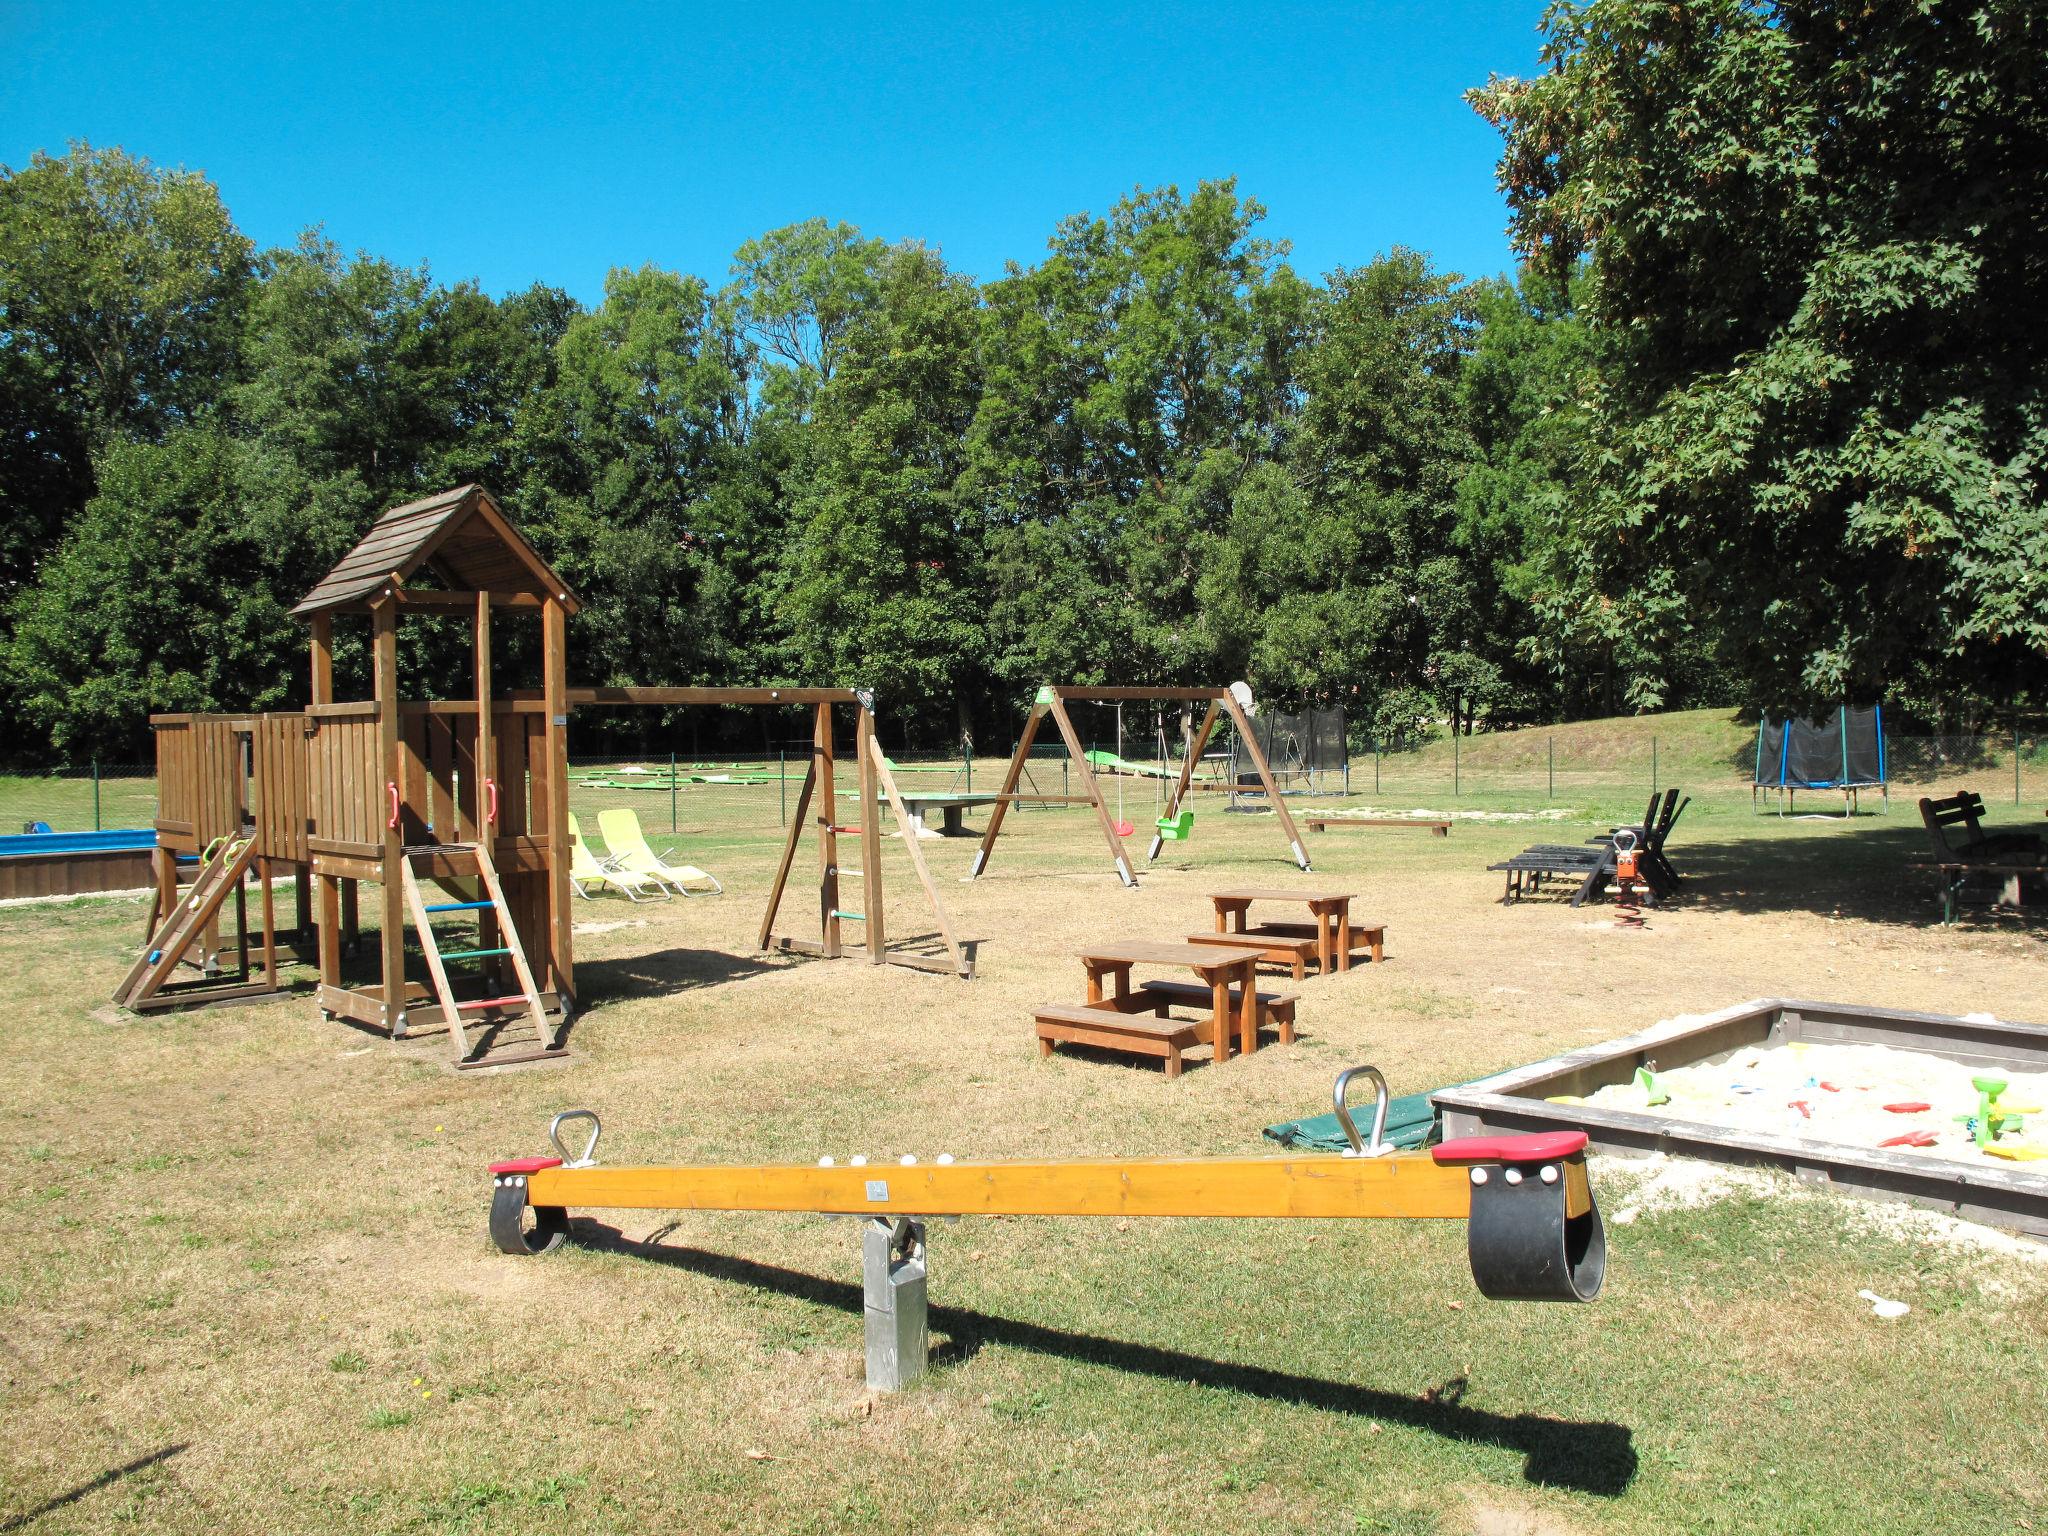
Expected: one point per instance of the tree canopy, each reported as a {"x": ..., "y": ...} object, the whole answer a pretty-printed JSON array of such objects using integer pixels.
[
  {"x": 1760, "y": 420},
  {"x": 1812, "y": 241}
]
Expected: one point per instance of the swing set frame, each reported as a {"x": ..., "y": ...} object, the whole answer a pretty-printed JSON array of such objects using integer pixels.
[{"x": 1052, "y": 701}]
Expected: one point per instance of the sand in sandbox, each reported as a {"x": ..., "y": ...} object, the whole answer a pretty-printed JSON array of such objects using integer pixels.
[{"x": 1845, "y": 1089}]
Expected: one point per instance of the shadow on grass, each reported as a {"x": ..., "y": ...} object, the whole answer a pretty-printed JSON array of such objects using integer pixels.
[
  {"x": 1596, "y": 1458},
  {"x": 106, "y": 1479},
  {"x": 662, "y": 972},
  {"x": 1861, "y": 871}
]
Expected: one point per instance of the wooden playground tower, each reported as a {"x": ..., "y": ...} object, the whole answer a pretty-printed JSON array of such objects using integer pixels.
[
  {"x": 449, "y": 806},
  {"x": 1051, "y": 703}
]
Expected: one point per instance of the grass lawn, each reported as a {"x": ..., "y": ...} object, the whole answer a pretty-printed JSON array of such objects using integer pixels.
[{"x": 250, "y": 1286}]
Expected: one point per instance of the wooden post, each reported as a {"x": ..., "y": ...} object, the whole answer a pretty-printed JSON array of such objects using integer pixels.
[
  {"x": 554, "y": 625},
  {"x": 869, "y": 752},
  {"x": 1187, "y": 774},
  {"x": 1011, "y": 776},
  {"x": 790, "y": 840},
  {"x": 908, "y": 824},
  {"x": 1258, "y": 756},
  {"x": 1092, "y": 788},
  {"x": 323, "y": 658},
  {"x": 828, "y": 839},
  {"x": 486, "y": 761},
  {"x": 391, "y": 936}
]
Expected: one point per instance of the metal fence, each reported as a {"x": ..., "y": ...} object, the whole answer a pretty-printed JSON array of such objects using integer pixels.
[
  {"x": 98, "y": 797},
  {"x": 1545, "y": 763},
  {"x": 1557, "y": 764}
]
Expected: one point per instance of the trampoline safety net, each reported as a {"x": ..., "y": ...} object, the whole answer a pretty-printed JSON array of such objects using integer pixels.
[
  {"x": 1299, "y": 747},
  {"x": 1845, "y": 749}
]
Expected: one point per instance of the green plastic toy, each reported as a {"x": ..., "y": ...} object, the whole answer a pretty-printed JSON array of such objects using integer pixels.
[
  {"x": 1653, "y": 1091},
  {"x": 1175, "y": 829},
  {"x": 1990, "y": 1122}
]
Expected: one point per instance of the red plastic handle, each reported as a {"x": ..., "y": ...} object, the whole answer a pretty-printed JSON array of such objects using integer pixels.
[
  {"x": 391, "y": 788},
  {"x": 491, "y": 801},
  {"x": 1539, "y": 1147}
]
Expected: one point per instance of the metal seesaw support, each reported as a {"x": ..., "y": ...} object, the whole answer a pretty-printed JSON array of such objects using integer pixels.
[{"x": 1533, "y": 1230}]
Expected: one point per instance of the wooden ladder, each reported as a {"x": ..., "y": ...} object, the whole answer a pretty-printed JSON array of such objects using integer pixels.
[
  {"x": 508, "y": 947},
  {"x": 220, "y": 876}
]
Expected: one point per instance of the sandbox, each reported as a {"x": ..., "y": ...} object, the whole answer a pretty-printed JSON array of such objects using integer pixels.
[{"x": 1947, "y": 1177}]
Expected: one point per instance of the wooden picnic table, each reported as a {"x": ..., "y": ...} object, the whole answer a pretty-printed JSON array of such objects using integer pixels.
[
  {"x": 1217, "y": 965},
  {"x": 1329, "y": 905}
]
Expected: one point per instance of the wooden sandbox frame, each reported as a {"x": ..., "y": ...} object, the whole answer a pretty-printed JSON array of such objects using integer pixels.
[{"x": 2003, "y": 1196}]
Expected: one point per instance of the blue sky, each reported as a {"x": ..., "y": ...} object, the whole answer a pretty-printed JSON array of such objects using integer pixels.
[{"x": 516, "y": 144}]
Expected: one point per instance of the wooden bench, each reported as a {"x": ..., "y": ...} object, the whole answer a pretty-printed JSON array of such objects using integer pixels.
[
  {"x": 1964, "y": 851},
  {"x": 1274, "y": 1007},
  {"x": 1137, "y": 1033},
  {"x": 1324, "y": 823},
  {"x": 1366, "y": 938},
  {"x": 1294, "y": 944},
  {"x": 1295, "y": 951}
]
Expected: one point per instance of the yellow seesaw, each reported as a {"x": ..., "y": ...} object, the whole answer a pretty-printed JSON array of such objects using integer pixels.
[{"x": 1533, "y": 1231}]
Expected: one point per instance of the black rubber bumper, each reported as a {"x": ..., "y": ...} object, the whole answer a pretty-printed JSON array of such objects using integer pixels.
[
  {"x": 508, "y": 1218},
  {"x": 1524, "y": 1247}
]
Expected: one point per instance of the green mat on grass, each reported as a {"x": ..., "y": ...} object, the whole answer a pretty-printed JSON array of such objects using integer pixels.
[{"x": 1411, "y": 1122}]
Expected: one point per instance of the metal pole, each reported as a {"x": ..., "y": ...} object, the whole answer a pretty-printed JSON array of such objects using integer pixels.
[
  {"x": 1454, "y": 759},
  {"x": 2015, "y": 761},
  {"x": 782, "y": 781},
  {"x": 671, "y": 791},
  {"x": 96, "y": 785}
]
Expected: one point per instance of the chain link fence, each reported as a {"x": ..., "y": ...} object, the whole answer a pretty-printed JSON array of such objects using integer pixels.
[
  {"x": 1541, "y": 763},
  {"x": 99, "y": 797}
]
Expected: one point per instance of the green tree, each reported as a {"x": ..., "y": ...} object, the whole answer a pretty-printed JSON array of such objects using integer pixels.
[
  {"x": 884, "y": 566},
  {"x": 1133, "y": 378},
  {"x": 1813, "y": 237},
  {"x": 121, "y": 290}
]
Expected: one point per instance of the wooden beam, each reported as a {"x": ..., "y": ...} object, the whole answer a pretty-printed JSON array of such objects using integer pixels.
[
  {"x": 1258, "y": 756},
  {"x": 1092, "y": 787},
  {"x": 672, "y": 697},
  {"x": 828, "y": 838},
  {"x": 561, "y": 967},
  {"x": 463, "y": 602},
  {"x": 789, "y": 847},
  {"x": 391, "y": 935},
  {"x": 1193, "y": 755},
  {"x": 868, "y": 753},
  {"x": 1082, "y": 695},
  {"x": 1011, "y": 776},
  {"x": 907, "y": 825},
  {"x": 323, "y": 658}
]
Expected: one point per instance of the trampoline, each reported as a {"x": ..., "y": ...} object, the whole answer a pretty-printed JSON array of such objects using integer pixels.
[{"x": 1843, "y": 752}]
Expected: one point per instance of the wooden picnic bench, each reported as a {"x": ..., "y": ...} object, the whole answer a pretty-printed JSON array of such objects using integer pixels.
[
  {"x": 1274, "y": 1007},
  {"x": 1324, "y": 823},
  {"x": 1965, "y": 853},
  {"x": 1126, "y": 1020},
  {"x": 1330, "y": 940}
]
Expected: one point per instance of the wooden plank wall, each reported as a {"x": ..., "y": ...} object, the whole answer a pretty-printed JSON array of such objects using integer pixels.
[
  {"x": 177, "y": 785},
  {"x": 280, "y": 749},
  {"x": 348, "y": 800}
]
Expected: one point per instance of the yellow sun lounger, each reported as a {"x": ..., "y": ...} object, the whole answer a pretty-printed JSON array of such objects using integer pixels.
[
  {"x": 631, "y": 854},
  {"x": 585, "y": 872}
]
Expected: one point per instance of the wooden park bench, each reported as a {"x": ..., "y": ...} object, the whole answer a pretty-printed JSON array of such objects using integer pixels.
[
  {"x": 1964, "y": 853},
  {"x": 1141, "y": 1034},
  {"x": 1324, "y": 823},
  {"x": 1275, "y": 1008}
]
